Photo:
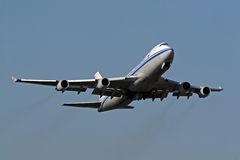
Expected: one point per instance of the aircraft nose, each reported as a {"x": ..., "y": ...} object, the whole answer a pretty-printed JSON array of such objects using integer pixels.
[{"x": 168, "y": 54}]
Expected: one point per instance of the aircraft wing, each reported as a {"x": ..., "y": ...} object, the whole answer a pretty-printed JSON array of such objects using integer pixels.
[
  {"x": 165, "y": 86},
  {"x": 113, "y": 86}
]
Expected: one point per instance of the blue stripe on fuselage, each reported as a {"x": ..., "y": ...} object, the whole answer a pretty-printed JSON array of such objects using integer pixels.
[
  {"x": 105, "y": 99},
  {"x": 138, "y": 67}
]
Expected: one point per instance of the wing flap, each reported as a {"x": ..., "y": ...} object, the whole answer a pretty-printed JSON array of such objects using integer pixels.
[{"x": 108, "y": 92}]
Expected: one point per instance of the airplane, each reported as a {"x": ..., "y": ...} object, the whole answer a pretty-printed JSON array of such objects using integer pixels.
[{"x": 145, "y": 81}]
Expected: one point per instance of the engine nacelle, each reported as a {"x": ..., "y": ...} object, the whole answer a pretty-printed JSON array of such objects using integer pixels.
[
  {"x": 184, "y": 87},
  {"x": 204, "y": 92},
  {"x": 103, "y": 83},
  {"x": 62, "y": 85}
]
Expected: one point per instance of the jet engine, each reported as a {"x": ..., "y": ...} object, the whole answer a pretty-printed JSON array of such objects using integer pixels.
[
  {"x": 103, "y": 83},
  {"x": 185, "y": 86},
  {"x": 62, "y": 85},
  {"x": 204, "y": 92}
]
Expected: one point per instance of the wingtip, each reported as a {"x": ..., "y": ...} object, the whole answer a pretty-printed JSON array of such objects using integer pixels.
[
  {"x": 14, "y": 79},
  {"x": 220, "y": 87},
  {"x": 66, "y": 104}
]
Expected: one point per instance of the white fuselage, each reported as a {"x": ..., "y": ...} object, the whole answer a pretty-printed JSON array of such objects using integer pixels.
[{"x": 148, "y": 72}]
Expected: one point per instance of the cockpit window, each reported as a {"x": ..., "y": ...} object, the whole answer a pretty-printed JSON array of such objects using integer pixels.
[{"x": 161, "y": 44}]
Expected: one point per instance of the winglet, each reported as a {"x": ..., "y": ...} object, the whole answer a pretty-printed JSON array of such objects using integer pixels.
[
  {"x": 15, "y": 79},
  {"x": 220, "y": 88}
]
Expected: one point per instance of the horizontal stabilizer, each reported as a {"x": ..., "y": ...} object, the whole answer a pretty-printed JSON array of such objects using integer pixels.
[{"x": 83, "y": 104}]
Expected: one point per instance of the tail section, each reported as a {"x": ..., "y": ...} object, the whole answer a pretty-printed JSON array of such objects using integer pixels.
[{"x": 97, "y": 76}]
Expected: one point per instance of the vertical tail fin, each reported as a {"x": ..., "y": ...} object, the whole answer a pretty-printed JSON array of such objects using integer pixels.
[{"x": 98, "y": 76}]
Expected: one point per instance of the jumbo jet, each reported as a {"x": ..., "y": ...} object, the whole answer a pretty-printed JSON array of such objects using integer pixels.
[{"x": 145, "y": 81}]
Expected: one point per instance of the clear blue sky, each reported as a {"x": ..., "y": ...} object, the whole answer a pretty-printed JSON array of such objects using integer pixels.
[{"x": 74, "y": 39}]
